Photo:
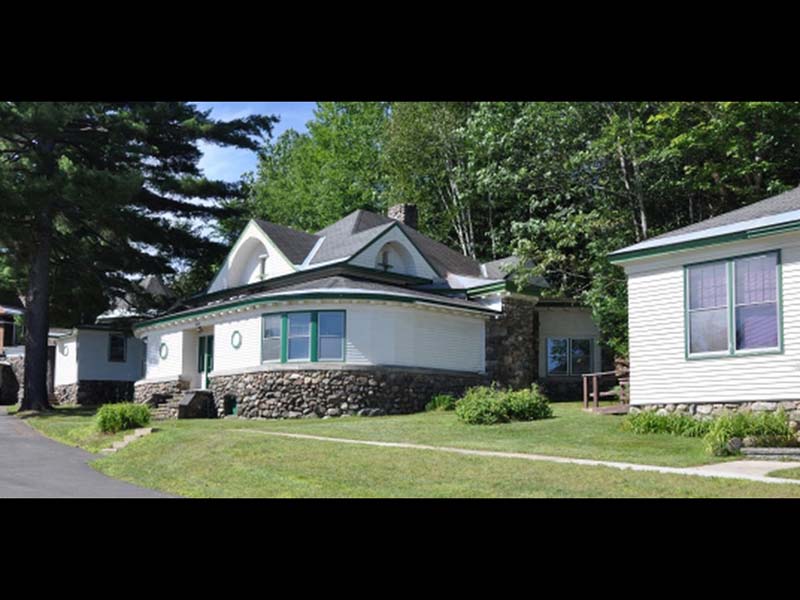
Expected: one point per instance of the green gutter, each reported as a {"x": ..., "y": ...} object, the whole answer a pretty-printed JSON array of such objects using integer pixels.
[
  {"x": 619, "y": 257},
  {"x": 487, "y": 289},
  {"x": 309, "y": 296}
]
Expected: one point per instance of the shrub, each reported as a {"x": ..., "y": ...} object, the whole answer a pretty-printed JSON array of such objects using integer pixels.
[
  {"x": 126, "y": 415},
  {"x": 441, "y": 402},
  {"x": 482, "y": 406},
  {"x": 769, "y": 427},
  {"x": 528, "y": 405},
  {"x": 673, "y": 424},
  {"x": 488, "y": 405}
]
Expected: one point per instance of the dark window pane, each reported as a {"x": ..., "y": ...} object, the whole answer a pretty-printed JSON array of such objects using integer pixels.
[
  {"x": 298, "y": 348},
  {"x": 708, "y": 330},
  {"x": 272, "y": 349},
  {"x": 116, "y": 351},
  {"x": 557, "y": 356},
  {"x": 708, "y": 286},
  {"x": 581, "y": 356},
  {"x": 757, "y": 326},
  {"x": 756, "y": 279},
  {"x": 331, "y": 323},
  {"x": 330, "y": 348},
  {"x": 272, "y": 326},
  {"x": 299, "y": 324}
]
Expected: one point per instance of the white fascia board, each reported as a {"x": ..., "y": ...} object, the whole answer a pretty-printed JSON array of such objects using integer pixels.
[{"x": 779, "y": 219}]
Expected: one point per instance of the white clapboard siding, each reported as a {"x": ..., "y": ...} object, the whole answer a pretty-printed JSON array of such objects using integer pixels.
[
  {"x": 93, "y": 363},
  {"x": 172, "y": 366},
  {"x": 417, "y": 266},
  {"x": 375, "y": 334},
  {"x": 566, "y": 322},
  {"x": 66, "y": 366},
  {"x": 660, "y": 371}
]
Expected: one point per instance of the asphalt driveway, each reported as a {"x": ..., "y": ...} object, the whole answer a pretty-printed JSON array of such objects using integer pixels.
[{"x": 33, "y": 466}]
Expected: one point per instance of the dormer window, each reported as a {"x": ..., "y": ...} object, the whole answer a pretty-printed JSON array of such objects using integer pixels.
[
  {"x": 384, "y": 261},
  {"x": 262, "y": 266}
]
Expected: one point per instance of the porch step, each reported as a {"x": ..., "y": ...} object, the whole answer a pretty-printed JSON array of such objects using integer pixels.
[{"x": 772, "y": 453}]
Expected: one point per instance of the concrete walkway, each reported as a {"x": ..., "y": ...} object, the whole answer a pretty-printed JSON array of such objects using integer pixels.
[
  {"x": 751, "y": 470},
  {"x": 33, "y": 466}
]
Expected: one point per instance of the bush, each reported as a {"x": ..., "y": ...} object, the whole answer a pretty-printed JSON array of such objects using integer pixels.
[
  {"x": 769, "y": 427},
  {"x": 528, "y": 405},
  {"x": 482, "y": 406},
  {"x": 489, "y": 405},
  {"x": 673, "y": 424},
  {"x": 126, "y": 415},
  {"x": 441, "y": 402}
]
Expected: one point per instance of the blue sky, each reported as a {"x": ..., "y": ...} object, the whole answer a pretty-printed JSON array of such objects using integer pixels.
[{"x": 228, "y": 164}]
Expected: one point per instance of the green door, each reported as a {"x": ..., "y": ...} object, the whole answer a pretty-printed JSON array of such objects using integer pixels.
[{"x": 205, "y": 358}]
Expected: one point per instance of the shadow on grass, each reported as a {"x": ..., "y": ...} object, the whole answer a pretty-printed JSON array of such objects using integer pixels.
[{"x": 61, "y": 411}]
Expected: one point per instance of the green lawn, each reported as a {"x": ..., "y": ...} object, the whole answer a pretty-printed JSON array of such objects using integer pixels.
[
  {"x": 208, "y": 458},
  {"x": 786, "y": 474},
  {"x": 72, "y": 425}
]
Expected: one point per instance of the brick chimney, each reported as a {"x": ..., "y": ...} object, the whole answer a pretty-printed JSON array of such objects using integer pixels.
[{"x": 405, "y": 213}]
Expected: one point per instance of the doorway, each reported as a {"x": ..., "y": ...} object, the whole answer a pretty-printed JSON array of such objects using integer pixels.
[{"x": 205, "y": 359}]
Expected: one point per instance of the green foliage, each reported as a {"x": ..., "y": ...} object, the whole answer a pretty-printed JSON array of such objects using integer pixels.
[
  {"x": 441, "y": 402},
  {"x": 673, "y": 424},
  {"x": 487, "y": 405},
  {"x": 770, "y": 427},
  {"x": 118, "y": 417}
]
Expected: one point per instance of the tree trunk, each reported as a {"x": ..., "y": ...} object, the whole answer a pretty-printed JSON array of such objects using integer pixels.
[{"x": 37, "y": 320}]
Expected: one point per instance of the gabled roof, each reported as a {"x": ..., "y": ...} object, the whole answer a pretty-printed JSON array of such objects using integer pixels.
[
  {"x": 294, "y": 244},
  {"x": 761, "y": 218}
]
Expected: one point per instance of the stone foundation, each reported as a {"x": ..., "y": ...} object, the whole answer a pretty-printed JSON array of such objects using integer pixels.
[
  {"x": 562, "y": 390},
  {"x": 93, "y": 392},
  {"x": 512, "y": 349},
  {"x": 158, "y": 391},
  {"x": 18, "y": 366},
  {"x": 708, "y": 410},
  {"x": 333, "y": 392}
]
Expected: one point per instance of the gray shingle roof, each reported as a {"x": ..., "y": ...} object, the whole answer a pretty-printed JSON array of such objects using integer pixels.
[
  {"x": 293, "y": 243},
  {"x": 785, "y": 202},
  {"x": 344, "y": 239}
]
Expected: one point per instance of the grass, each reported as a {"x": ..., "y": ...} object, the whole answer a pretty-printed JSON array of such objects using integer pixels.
[
  {"x": 72, "y": 425},
  {"x": 209, "y": 458},
  {"x": 786, "y": 473}
]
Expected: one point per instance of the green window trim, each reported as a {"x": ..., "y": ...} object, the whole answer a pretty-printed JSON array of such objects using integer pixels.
[
  {"x": 313, "y": 337},
  {"x": 732, "y": 352}
]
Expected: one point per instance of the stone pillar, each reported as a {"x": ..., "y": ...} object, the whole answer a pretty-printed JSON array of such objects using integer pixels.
[{"x": 512, "y": 349}]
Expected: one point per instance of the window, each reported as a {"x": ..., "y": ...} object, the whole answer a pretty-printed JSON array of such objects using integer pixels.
[
  {"x": 299, "y": 336},
  {"x": 569, "y": 356},
  {"x": 733, "y": 306},
  {"x": 331, "y": 336},
  {"x": 271, "y": 349},
  {"x": 116, "y": 347},
  {"x": 304, "y": 336}
]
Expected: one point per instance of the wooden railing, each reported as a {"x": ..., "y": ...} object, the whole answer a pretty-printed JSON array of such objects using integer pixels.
[{"x": 594, "y": 379}]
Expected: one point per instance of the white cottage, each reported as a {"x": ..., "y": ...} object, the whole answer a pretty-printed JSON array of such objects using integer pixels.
[
  {"x": 366, "y": 316},
  {"x": 95, "y": 364},
  {"x": 714, "y": 311}
]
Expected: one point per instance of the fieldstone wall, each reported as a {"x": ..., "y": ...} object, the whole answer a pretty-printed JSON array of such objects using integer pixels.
[
  {"x": 329, "y": 393},
  {"x": 18, "y": 366},
  {"x": 709, "y": 410},
  {"x": 562, "y": 389},
  {"x": 512, "y": 349},
  {"x": 158, "y": 392},
  {"x": 93, "y": 392}
]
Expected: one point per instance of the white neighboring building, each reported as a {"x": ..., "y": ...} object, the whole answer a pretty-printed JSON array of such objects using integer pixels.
[
  {"x": 95, "y": 364},
  {"x": 366, "y": 316},
  {"x": 714, "y": 311}
]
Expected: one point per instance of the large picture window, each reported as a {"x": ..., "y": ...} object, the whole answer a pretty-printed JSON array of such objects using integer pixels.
[
  {"x": 569, "y": 356},
  {"x": 733, "y": 306},
  {"x": 304, "y": 336}
]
